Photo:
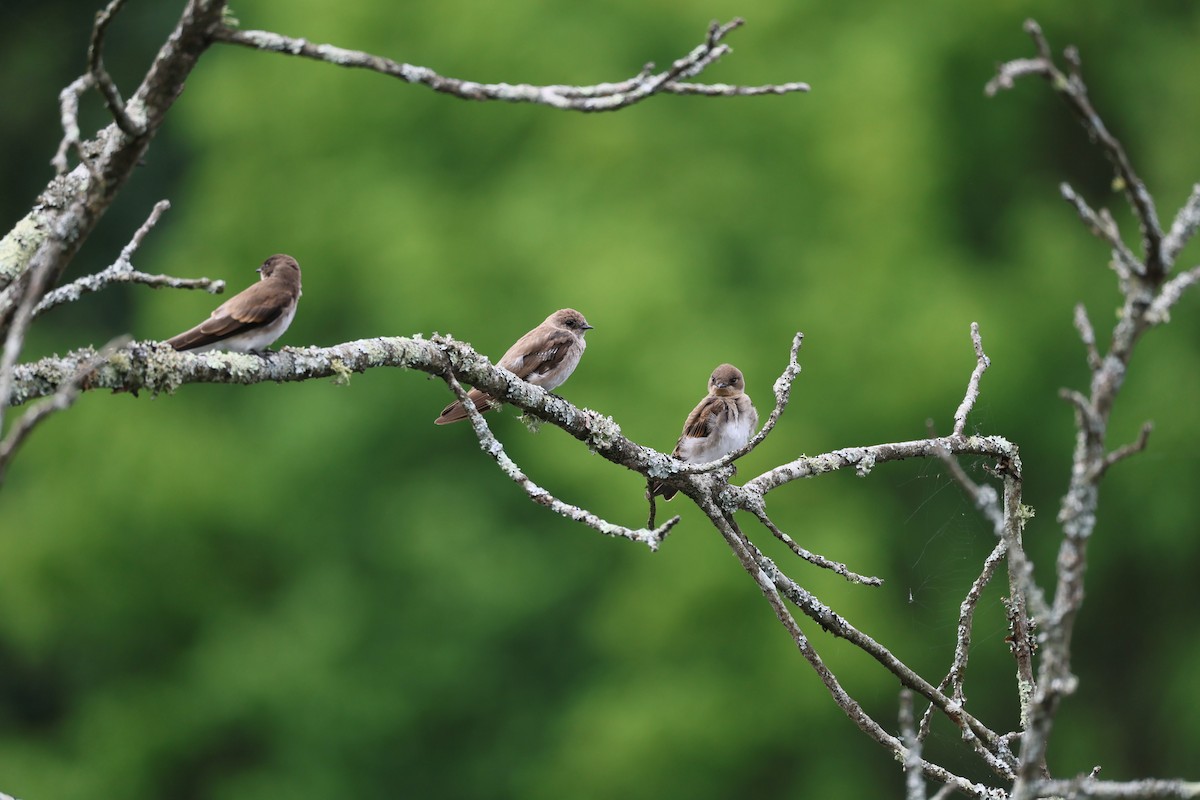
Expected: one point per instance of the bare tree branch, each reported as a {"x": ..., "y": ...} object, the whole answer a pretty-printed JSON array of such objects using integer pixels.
[
  {"x": 914, "y": 783},
  {"x": 1087, "y": 786},
  {"x": 1007, "y": 523},
  {"x": 68, "y": 100},
  {"x": 71, "y": 205},
  {"x": 1159, "y": 312},
  {"x": 1147, "y": 300},
  {"x": 865, "y": 459},
  {"x": 990, "y": 746},
  {"x": 61, "y": 400},
  {"x": 122, "y": 271},
  {"x": 1104, "y": 227},
  {"x": 490, "y": 445},
  {"x": 1073, "y": 90},
  {"x": 1186, "y": 223},
  {"x": 1126, "y": 450},
  {"x": 600, "y": 97},
  {"x": 31, "y": 286},
  {"x": 760, "y": 511},
  {"x": 112, "y": 96},
  {"x": 1088, "y": 335},
  {"x": 982, "y": 362},
  {"x": 774, "y": 586}
]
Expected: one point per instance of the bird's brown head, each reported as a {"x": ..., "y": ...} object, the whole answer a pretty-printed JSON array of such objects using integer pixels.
[
  {"x": 570, "y": 319},
  {"x": 727, "y": 381},
  {"x": 282, "y": 268}
]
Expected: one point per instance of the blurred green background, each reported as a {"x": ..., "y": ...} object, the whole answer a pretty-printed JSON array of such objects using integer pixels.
[{"x": 311, "y": 590}]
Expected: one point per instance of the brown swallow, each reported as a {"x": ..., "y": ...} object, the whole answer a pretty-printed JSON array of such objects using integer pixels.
[
  {"x": 723, "y": 422},
  {"x": 252, "y": 319},
  {"x": 546, "y": 356}
]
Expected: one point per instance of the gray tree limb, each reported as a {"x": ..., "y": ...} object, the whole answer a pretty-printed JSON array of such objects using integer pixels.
[
  {"x": 1147, "y": 299},
  {"x": 600, "y": 97}
]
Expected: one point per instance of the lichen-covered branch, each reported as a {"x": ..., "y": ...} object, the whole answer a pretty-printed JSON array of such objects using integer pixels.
[
  {"x": 1160, "y": 308},
  {"x": 914, "y": 783},
  {"x": 865, "y": 458},
  {"x": 36, "y": 252},
  {"x": 155, "y": 367},
  {"x": 1186, "y": 223},
  {"x": 599, "y": 97}
]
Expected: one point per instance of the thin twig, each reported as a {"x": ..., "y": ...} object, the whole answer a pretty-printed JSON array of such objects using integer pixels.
[
  {"x": 491, "y": 445},
  {"x": 68, "y": 102},
  {"x": 122, "y": 271},
  {"x": 1126, "y": 450},
  {"x": 953, "y": 682},
  {"x": 1104, "y": 227},
  {"x": 865, "y": 459},
  {"x": 1089, "y": 419},
  {"x": 1088, "y": 335},
  {"x": 104, "y": 81},
  {"x": 982, "y": 362},
  {"x": 1186, "y": 223},
  {"x": 1159, "y": 312},
  {"x": 759, "y": 510}
]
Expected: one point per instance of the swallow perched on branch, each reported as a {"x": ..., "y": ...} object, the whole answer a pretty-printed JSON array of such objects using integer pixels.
[
  {"x": 252, "y": 319},
  {"x": 723, "y": 422},
  {"x": 546, "y": 356}
]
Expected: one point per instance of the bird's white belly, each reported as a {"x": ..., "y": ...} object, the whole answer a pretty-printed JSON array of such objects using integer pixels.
[
  {"x": 257, "y": 339},
  {"x": 725, "y": 440}
]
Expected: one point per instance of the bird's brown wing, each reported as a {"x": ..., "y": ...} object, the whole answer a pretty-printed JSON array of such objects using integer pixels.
[
  {"x": 538, "y": 352},
  {"x": 535, "y": 353},
  {"x": 700, "y": 424},
  {"x": 704, "y": 418},
  {"x": 254, "y": 307}
]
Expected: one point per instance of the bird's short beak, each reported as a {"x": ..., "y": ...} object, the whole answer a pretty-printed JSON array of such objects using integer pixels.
[{"x": 587, "y": 327}]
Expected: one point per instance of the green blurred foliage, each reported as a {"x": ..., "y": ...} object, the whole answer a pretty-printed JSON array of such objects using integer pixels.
[{"x": 310, "y": 590}]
